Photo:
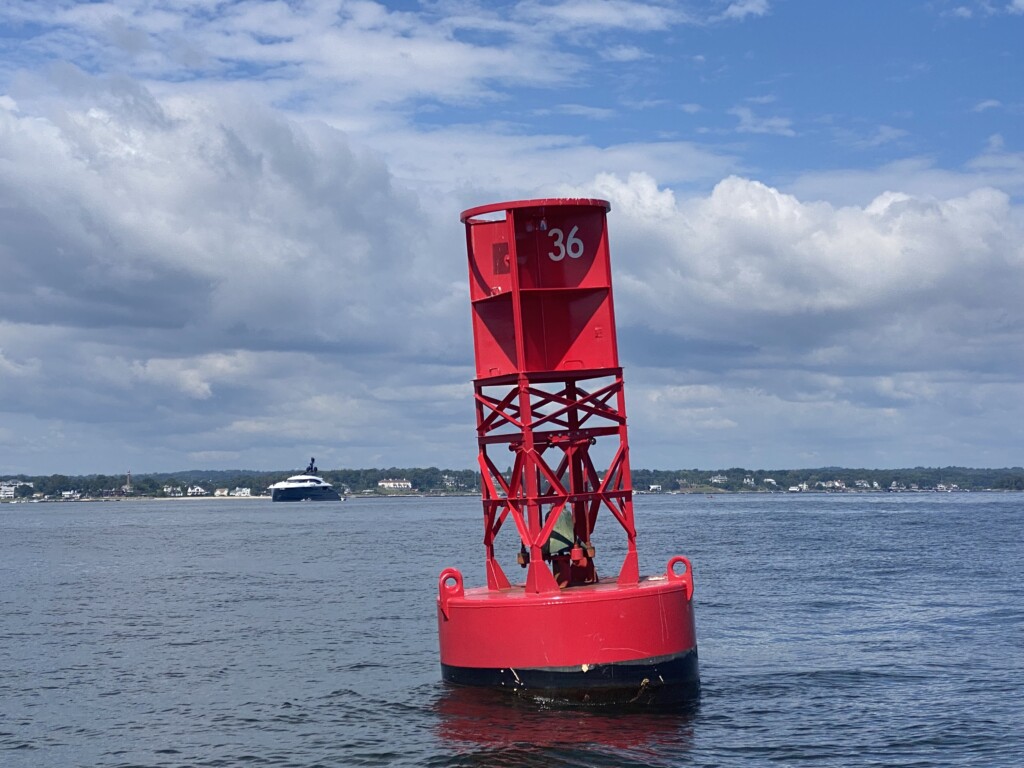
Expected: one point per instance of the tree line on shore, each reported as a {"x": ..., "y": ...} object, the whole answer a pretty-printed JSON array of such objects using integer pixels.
[
  {"x": 434, "y": 480},
  {"x": 425, "y": 479},
  {"x": 916, "y": 478}
]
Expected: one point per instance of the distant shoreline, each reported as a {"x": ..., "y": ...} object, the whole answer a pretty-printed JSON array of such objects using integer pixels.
[
  {"x": 211, "y": 497},
  {"x": 377, "y": 497},
  {"x": 91, "y": 499},
  {"x": 431, "y": 481}
]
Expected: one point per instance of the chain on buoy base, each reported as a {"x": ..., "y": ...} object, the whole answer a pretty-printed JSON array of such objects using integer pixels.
[{"x": 599, "y": 644}]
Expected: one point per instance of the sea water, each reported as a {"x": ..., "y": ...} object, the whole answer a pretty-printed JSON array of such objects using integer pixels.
[{"x": 834, "y": 630}]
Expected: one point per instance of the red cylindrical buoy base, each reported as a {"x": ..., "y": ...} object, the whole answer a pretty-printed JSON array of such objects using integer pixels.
[{"x": 595, "y": 644}]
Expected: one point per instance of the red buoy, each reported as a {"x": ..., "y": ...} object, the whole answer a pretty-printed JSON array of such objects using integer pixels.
[{"x": 549, "y": 389}]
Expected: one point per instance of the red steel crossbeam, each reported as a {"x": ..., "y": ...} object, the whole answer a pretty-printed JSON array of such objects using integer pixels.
[{"x": 576, "y": 406}]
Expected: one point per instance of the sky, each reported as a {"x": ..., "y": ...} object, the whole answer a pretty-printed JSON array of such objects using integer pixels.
[{"x": 230, "y": 235}]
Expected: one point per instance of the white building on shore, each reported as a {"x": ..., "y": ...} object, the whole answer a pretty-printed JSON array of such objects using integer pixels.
[{"x": 395, "y": 485}]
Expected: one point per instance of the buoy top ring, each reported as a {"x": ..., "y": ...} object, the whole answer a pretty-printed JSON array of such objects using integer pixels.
[{"x": 548, "y": 202}]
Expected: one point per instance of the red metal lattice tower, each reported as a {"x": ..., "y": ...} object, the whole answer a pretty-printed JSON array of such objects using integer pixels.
[
  {"x": 548, "y": 388},
  {"x": 548, "y": 384}
]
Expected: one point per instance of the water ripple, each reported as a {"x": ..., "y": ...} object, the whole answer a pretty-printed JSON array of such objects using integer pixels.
[{"x": 834, "y": 632}]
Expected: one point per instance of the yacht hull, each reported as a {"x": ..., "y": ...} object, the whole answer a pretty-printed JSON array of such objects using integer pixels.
[{"x": 304, "y": 494}]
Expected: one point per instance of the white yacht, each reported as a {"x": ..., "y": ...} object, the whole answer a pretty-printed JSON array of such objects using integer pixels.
[{"x": 305, "y": 487}]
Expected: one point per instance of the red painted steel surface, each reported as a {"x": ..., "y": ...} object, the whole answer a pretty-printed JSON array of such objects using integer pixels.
[
  {"x": 596, "y": 624},
  {"x": 540, "y": 283},
  {"x": 549, "y": 391},
  {"x": 548, "y": 384}
]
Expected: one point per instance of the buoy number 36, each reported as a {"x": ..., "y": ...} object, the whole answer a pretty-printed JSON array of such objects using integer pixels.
[{"x": 570, "y": 245}]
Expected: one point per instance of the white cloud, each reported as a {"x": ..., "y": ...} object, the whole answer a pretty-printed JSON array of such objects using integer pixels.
[
  {"x": 741, "y": 9},
  {"x": 602, "y": 14},
  {"x": 159, "y": 256},
  {"x": 13, "y": 369},
  {"x": 248, "y": 247},
  {"x": 919, "y": 176},
  {"x": 582, "y": 110},
  {"x": 748, "y": 251},
  {"x": 463, "y": 164},
  {"x": 774, "y": 314},
  {"x": 880, "y": 136},
  {"x": 195, "y": 377},
  {"x": 182, "y": 213},
  {"x": 750, "y": 123},
  {"x": 353, "y": 55},
  {"x": 624, "y": 53}
]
